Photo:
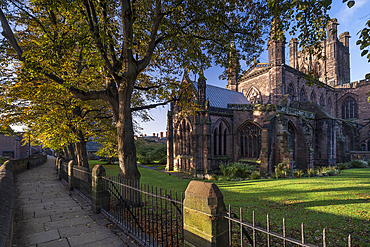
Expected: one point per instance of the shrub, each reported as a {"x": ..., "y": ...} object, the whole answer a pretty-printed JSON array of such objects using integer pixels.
[
  {"x": 224, "y": 168},
  {"x": 228, "y": 179},
  {"x": 281, "y": 170},
  {"x": 220, "y": 179},
  {"x": 235, "y": 169},
  {"x": 323, "y": 170},
  {"x": 149, "y": 152},
  {"x": 311, "y": 172},
  {"x": 286, "y": 172},
  {"x": 214, "y": 177},
  {"x": 298, "y": 173},
  {"x": 255, "y": 175},
  {"x": 358, "y": 164}
]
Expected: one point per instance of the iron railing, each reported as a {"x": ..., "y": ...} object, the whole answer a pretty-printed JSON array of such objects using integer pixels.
[
  {"x": 242, "y": 233},
  {"x": 82, "y": 181},
  {"x": 64, "y": 171},
  {"x": 153, "y": 215}
]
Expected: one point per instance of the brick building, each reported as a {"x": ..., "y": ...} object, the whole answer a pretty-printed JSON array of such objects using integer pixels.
[
  {"x": 268, "y": 114},
  {"x": 11, "y": 146}
]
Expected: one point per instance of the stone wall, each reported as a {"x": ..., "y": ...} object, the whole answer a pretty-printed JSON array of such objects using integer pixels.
[
  {"x": 6, "y": 204},
  {"x": 7, "y": 171}
]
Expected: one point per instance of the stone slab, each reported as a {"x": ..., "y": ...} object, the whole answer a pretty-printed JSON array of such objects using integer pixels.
[
  {"x": 90, "y": 237},
  {"x": 69, "y": 215},
  {"x": 56, "y": 243},
  {"x": 43, "y": 212},
  {"x": 77, "y": 230},
  {"x": 43, "y": 237},
  {"x": 68, "y": 223},
  {"x": 113, "y": 242}
]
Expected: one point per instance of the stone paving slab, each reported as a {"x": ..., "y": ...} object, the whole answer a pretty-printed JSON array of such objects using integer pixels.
[
  {"x": 49, "y": 215},
  {"x": 42, "y": 237},
  {"x": 56, "y": 243},
  {"x": 92, "y": 237}
]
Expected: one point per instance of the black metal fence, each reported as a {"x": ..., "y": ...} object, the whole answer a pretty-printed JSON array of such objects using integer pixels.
[
  {"x": 242, "y": 233},
  {"x": 153, "y": 215},
  {"x": 82, "y": 181}
]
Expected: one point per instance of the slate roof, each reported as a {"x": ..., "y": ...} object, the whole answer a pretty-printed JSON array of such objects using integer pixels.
[
  {"x": 220, "y": 97},
  {"x": 92, "y": 146}
]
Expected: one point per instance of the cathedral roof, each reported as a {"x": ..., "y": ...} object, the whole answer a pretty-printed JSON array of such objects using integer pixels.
[{"x": 220, "y": 97}]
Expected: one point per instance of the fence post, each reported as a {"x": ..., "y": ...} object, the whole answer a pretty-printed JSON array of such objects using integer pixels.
[
  {"x": 203, "y": 223},
  {"x": 59, "y": 170},
  {"x": 70, "y": 174},
  {"x": 99, "y": 194},
  {"x": 57, "y": 164}
]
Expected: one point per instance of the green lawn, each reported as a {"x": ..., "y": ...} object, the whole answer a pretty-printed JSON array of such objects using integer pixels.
[{"x": 339, "y": 203}]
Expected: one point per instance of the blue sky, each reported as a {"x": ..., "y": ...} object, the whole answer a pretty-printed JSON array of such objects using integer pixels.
[{"x": 351, "y": 20}]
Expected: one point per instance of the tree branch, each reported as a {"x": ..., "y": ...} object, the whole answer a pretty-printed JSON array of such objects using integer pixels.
[
  {"x": 150, "y": 106},
  {"x": 142, "y": 64},
  {"x": 92, "y": 20},
  {"x": 9, "y": 35},
  {"x": 146, "y": 88}
]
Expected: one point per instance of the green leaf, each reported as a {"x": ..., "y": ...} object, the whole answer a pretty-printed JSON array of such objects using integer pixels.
[
  {"x": 350, "y": 4},
  {"x": 299, "y": 17},
  {"x": 363, "y": 53},
  {"x": 326, "y": 3}
]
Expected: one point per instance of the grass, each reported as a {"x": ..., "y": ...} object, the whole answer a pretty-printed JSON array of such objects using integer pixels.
[{"x": 341, "y": 203}]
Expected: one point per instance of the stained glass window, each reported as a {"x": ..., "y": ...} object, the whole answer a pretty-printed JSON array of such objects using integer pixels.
[
  {"x": 254, "y": 96},
  {"x": 349, "y": 108},
  {"x": 313, "y": 97},
  {"x": 321, "y": 101},
  {"x": 290, "y": 92},
  {"x": 250, "y": 141}
]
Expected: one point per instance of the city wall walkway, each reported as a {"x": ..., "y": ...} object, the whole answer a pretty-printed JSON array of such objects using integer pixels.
[{"x": 47, "y": 214}]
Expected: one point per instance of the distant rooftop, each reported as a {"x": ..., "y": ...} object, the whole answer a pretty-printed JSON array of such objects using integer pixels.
[{"x": 220, "y": 97}]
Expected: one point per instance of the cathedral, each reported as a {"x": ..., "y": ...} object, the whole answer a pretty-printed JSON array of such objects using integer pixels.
[{"x": 268, "y": 114}]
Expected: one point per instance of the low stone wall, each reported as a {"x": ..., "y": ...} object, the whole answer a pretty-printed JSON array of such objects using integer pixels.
[
  {"x": 21, "y": 164},
  {"x": 6, "y": 204},
  {"x": 7, "y": 171}
]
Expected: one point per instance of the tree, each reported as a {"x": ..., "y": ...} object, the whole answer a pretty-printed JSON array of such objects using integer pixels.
[
  {"x": 139, "y": 48},
  {"x": 51, "y": 114}
]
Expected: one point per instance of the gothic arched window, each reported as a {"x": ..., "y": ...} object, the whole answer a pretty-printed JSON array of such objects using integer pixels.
[
  {"x": 250, "y": 141},
  {"x": 290, "y": 92},
  {"x": 292, "y": 141},
  {"x": 329, "y": 107},
  {"x": 183, "y": 138},
  {"x": 302, "y": 95},
  {"x": 220, "y": 140},
  {"x": 349, "y": 108},
  {"x": 321, "y": 101},
  {"x": 215, "y": 137},
  {"x": 225, "y": 142},
  {"x": 254, "y": 96},
  {"x": 313, "y": 96}
]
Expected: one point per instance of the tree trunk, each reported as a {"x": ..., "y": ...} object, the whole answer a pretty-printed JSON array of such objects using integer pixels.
[
  {"x": 125, "y": 137},
  {"x": 71, "y": 152},
  {"x": 126, "y": 148},
  {"x": 66, "y": 153},
  {"x": 81, "y": 152}
]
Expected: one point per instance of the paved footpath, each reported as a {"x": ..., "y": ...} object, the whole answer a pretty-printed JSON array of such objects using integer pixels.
[{"x": 47, "y": 214}]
